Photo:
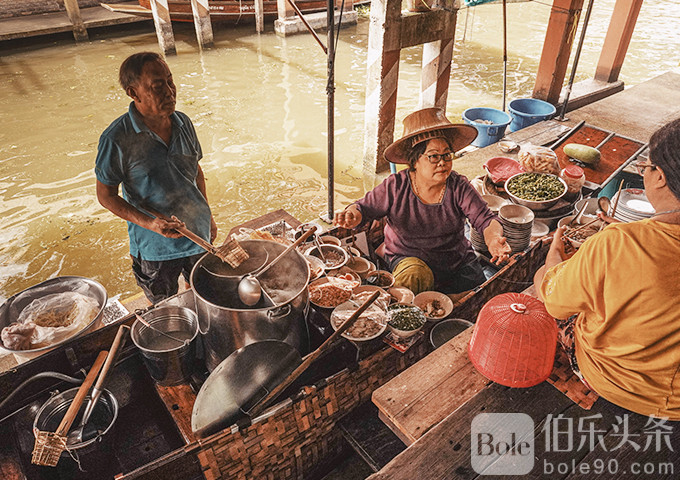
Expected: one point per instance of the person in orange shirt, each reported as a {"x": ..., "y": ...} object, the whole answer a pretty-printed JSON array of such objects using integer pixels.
[{"x": 620, "y": 295}]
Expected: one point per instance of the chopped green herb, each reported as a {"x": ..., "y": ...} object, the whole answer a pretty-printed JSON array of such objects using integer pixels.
[{"x": 536, "y": 187}]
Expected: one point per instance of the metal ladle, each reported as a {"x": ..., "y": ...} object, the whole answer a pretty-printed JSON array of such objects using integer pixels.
[{"x": 249, "y": 288}]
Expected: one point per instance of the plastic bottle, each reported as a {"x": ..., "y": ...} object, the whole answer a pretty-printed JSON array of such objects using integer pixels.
[{"x": 574, "y": 177}]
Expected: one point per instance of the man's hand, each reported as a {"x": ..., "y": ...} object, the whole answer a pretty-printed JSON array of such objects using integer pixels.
[
  {"x": 348, "y": 218},
  {"x": 167, "y": 228},
  {"x": 213, "y": 229},
  {"x": 499, "y": 249}
]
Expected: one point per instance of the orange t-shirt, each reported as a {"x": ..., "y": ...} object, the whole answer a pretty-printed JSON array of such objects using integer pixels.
[{"x": 624, "y": 284}]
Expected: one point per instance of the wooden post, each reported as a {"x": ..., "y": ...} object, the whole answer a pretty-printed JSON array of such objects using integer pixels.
[
  {"x": 616, "y": 42},
  {"x": 204, "y": 32},
  {"x": 437, "y": 56},
  {"x": 389, "y": 32},
  {"x": 382, "y": 75},
  {"x": 73, "y": 12},
  {"x": 559, "y": 39},
  {"x": 259, "y": 16},
  {"x": 161, "y": 19}
]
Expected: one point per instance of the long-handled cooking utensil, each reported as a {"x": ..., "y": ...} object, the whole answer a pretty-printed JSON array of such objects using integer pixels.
[
  {"x": 251, "y": 377},
  {"x": 249, "y": 288},
  {"x": 608, "y": 203},
  {"x": 50, "y": 445},
  {"x": 76, "y": 436},
  {"x": 231, "y": 251}
]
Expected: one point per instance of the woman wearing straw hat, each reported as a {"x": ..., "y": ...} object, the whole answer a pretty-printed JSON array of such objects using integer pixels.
[{"x": 426, "y": 206}]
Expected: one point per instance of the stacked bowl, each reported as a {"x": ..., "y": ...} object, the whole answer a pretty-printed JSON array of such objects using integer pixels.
[
  {"x": 477, "y": 239},
  {"x": 517, "y": 221}
]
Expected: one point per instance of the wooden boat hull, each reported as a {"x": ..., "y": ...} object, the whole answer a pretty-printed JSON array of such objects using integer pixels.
[
  {"x": 297, "y": 438},
  {"x": 233, "y": 11}
]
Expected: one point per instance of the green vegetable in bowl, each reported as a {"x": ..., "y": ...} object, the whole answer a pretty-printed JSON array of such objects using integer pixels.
[
  {"x": 536, "y": 187},
  {"x": 405, "y": 317}
]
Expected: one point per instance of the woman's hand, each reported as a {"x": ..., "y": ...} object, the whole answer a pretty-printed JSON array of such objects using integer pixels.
[
  {"x": 607, "y": 219},
  {"x": 559, "y": 248},
  {"x": 496, "y": 242},
  {"x": 499, "y": 249},
  {"x": 349, "y": 218}
]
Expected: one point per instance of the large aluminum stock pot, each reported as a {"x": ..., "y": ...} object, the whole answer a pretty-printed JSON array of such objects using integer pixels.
[{"x": 227, "y": 324}]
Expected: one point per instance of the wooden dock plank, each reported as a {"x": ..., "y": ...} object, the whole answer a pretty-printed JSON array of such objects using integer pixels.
[
  {"x": 58, "y": 22},
  {"x": 412, "y": 402}
]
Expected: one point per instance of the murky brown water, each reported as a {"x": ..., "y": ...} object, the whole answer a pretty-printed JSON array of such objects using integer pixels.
[{"x": 259, "y": 106}]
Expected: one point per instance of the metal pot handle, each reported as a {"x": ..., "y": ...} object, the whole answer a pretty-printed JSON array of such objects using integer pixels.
[{"x": 275, "y": 313}]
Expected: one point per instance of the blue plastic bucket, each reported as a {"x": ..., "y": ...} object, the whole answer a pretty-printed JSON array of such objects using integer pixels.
[
  {"x": 527, "y": 111},
  {"x": 491, "y": 133}
]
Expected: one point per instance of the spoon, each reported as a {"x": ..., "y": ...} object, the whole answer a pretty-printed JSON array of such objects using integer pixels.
[
  {"x": 249, "y": 288},
  {"x": 578, "y": 216},
  {"x": 318, "y": 247}
]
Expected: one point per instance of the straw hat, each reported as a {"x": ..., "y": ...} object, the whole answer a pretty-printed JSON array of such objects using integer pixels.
[{"x": 426, "y": 124}]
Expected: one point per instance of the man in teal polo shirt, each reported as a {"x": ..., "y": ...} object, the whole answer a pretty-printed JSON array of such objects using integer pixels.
[{"x": 153, "y": 152}]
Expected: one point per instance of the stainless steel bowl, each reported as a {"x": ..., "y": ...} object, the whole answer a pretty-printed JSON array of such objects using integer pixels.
[
  {"x": 12, "y": 308},
  {"x": 535, "y": 205}
]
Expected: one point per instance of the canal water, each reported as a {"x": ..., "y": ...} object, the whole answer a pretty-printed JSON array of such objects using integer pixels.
[{"x": 259, "y": 106}]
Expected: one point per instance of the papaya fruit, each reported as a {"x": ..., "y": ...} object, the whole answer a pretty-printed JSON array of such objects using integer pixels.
[{"x": 583, "y": 153}]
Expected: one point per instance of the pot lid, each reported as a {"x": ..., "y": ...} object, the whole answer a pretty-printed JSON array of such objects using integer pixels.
[{"x": 238, "y": 383}]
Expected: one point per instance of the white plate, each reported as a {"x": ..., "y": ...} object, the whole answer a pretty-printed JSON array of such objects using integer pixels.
[{"x": 344, "y": 310}]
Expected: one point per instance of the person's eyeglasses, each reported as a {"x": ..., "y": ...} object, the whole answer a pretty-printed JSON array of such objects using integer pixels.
[
  {"x": 641, "y": 166},
  {"x": 435, "y": 158}
]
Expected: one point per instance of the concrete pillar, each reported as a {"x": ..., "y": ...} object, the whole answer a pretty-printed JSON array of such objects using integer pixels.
[
  {"x": 382, "y": 75},
  {"x": 204, "y": 32},
  {"x": 284, "y": 9},
  {"x": 559, "y": 39},
  {"x": 161, "y": 20},
  {"x": 621, "y": 26},
  {"x": 73, "y": 12}
]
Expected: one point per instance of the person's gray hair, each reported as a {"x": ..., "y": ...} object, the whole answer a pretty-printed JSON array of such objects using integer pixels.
[
  {"x": 664, "y": 151},
  {"x": 131, "y": 68}
]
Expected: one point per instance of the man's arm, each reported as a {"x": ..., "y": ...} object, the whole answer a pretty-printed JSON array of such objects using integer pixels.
[
  {"x": 200, "y": 183},
  {"x": 108, "y": 197}
]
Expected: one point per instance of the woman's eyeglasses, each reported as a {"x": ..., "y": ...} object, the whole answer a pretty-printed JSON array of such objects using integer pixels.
[
  {"x": 435, "y": 158},
  {"x": 641, "y": 166}
]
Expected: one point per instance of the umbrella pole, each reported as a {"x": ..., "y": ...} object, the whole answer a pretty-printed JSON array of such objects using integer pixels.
[
  {"x": 505, "y": 52},
  {"x": 572, "y": 75},
  {"x": 330, "y": 91}
]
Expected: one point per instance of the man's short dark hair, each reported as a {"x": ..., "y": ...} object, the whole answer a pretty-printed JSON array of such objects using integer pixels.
[
  {"x": 664, "y": 151},
  {"x": 131, "y": 68}
]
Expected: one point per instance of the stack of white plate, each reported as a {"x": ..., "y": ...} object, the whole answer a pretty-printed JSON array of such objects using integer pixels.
[
  {"x": 632, "y": 205},
  {"x": 518, "y": 222}
]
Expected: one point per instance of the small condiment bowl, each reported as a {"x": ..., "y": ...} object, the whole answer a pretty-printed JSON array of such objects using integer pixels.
[
  {"x": 361, "y": 265},
  {"x": 316, "y": 267},
  {"x": 329, "y": 250},
  {"x": 401, "y": 294},
  {"x": 424, "y": 298},
  {"x": 380, "y": 278},
  {"x": 330, "y": 240},
  {"x": 392, "y": 314}
]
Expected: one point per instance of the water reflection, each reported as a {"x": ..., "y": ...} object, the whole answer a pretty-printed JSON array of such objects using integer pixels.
[{"x": 259, "y": 105}]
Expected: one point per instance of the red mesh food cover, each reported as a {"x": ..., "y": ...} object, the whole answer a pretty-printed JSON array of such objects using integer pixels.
[{"x": 514, "y": 341}]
